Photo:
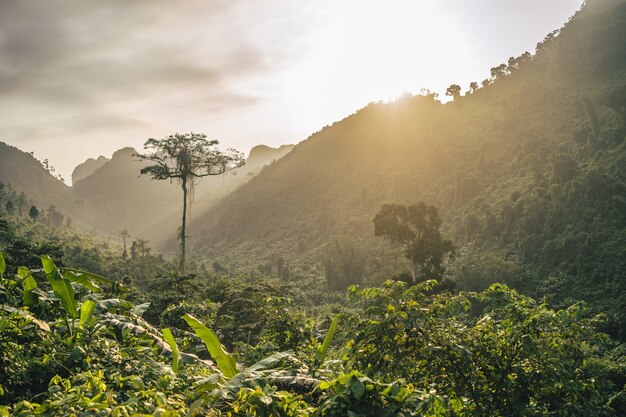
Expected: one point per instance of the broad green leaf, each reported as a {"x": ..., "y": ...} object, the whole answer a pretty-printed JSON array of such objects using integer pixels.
[
  {"x": 225, "y": 362},
  {"x": 82, "y": 280},
  {"x": 3, "y": 264},
  {"x": 357, "y": 388},
  {"x": 86, "y": 312},
  {"x": 26, "y": 315},
  {"x": 114, "y": 304},
  {"x": 169, "y": 338},
  {"x": 326, "y": 384},
  {"x": 90, "y": 280},
  {"x": 141, "y": 308},
  {"x": 29, "y": 284},
  {"x": 61, "y": 286},
  {"x": 271, "y": 361},
  {"x": 322, "y": 350}
]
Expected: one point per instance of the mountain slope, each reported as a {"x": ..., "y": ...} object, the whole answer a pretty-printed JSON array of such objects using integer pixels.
[
  {"x": 87, "y": 168},
  {"x": 532, "y": 165},
  {"x": 150, "y": 209},
  {"x": 109, "y": 196},
  {"x": 25, "y": 174}
]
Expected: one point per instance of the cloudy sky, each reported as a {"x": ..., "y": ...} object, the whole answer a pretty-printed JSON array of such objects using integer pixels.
[{"x": 83, "y": 78}]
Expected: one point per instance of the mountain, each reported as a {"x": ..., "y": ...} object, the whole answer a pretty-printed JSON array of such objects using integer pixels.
[
  {"x": 150, "y": 209},
  {"x": 530, "y": 169},
  {"x": 87, "y": 168},
  {"x": 109, "y": 195},
  {"x": 124, "y": 199},
  {"x": 262, "y": 155},
  {"x": 23, "y": 173}
]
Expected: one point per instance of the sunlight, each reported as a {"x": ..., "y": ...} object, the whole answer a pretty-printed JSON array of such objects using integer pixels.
[{"x": 373, "y": 52}]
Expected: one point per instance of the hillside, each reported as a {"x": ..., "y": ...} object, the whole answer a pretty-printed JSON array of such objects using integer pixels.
[
  {"x": 126, "y": 200},
  {"x": 151, "y": 209},
  {"x": 109, "y": 195},
  {"x": 531, "y": 166},
  {"x": 23, "y": 173},
  {"x": 87, "y": 168}
]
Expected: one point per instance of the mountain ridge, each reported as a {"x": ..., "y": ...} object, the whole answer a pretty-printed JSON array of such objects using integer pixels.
[
  {"x": 88, "y": 167},
  {"x": 109, "y": 195},
  {"x": 526, "y": 167}
]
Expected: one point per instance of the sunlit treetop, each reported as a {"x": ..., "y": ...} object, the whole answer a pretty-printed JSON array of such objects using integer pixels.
[{"x": 186, "y": 156}]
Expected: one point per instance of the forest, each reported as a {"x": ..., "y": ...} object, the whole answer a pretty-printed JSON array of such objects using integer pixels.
[
  {"x": 78, "y": 343},
  {"x": 420, "y": 257}
]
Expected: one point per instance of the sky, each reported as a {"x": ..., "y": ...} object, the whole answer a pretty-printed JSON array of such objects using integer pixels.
[{"x": 79, "y": 79}]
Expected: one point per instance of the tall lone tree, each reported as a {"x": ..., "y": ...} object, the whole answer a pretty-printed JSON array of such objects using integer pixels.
[
  {"x": 416, "y": 227},
  {"x": 186, "y": 158}
]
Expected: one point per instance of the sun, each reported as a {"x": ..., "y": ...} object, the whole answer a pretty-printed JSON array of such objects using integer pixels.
[{"x": 369, "y": 51}]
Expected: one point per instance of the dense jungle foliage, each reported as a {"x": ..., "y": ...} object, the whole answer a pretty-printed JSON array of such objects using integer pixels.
[{"x": 77, "y": 343}]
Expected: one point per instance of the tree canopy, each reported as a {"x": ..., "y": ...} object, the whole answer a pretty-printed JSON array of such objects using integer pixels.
[
  {"x": 416, "y": 227},
  {"x": 453, "y": 91}
]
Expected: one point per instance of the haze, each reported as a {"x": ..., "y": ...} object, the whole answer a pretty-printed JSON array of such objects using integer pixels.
[{"x": 80, "y": 79}]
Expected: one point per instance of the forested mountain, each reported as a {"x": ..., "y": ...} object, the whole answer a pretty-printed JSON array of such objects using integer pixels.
[
  {"x": 528, "y": 170},
  {"x": 522, "y": 179},
  {"x": 109, "y": 196},
  {"x": 24, "y": 175}
]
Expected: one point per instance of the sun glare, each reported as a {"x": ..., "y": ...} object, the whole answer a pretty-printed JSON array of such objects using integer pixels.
[{"x": 372, "y": 51}]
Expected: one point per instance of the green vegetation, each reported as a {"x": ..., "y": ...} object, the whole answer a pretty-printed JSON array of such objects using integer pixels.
[
  {"x": 528, "y": 173},
  {"x": 285, "y": 306},
  {"x": 416, "y": 227},
  {"x": 76, "y": 343},
  {"x": 73, "y": 344}
]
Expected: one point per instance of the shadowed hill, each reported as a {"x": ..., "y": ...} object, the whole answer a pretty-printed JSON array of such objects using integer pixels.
[
  {"x": 109, "y": 196},
  {"x": 124, "y": 199},
  {"x": 25, "y": 174},
  {"x": 533, "y": 163},
  {"x": 150, "y": 209},
  {"x": 87, "y": 168}
]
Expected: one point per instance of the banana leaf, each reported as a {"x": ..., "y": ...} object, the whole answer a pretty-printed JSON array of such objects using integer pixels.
[{"x": 225, "y": 362}]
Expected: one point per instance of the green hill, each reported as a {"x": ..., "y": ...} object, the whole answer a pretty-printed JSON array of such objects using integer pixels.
[
  {"x": 23, "y": 174},
  {"x": 530, "y": 169}
]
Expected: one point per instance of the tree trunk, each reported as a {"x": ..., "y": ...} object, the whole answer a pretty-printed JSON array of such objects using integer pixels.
[
  {"x": 413, "y": 274},
  {"x": 183, "y": 227}
]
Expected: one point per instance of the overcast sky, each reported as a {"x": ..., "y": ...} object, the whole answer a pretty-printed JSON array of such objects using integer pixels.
[{"x": 83, "y": 78}]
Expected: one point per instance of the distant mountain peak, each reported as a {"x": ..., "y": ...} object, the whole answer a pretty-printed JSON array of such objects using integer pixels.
[
  {"x": 125, "y": 152},
  {"x": 263, "y": 154},
  {"x": 87, "y": 168}
]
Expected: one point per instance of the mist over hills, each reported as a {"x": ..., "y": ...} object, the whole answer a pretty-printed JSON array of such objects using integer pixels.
[
  {"x": 530, "y": 168},
  {"x": 23, "y": 173},
  {"x": 87, "y": 168},
  {"x": 150, "y": 209},
  {"x": 109, "y": 195}
]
